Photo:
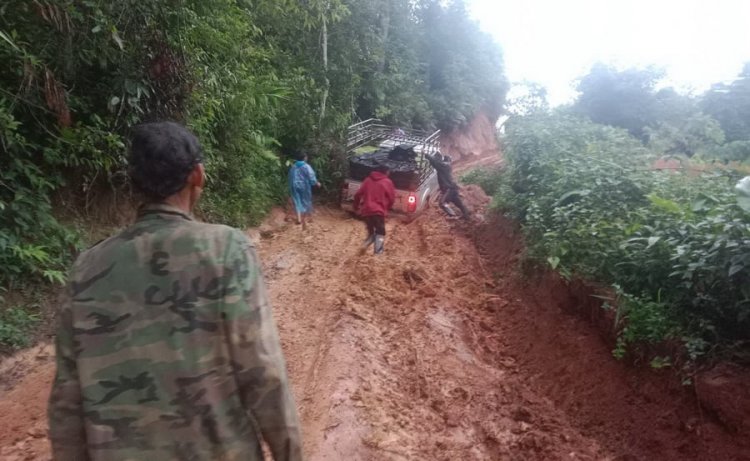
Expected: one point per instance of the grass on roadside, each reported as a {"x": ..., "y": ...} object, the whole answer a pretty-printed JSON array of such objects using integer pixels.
[{"x": 17, "y": 324}]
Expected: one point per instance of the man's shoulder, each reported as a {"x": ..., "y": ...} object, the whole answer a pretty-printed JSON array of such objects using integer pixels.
[
  {"x": 219, "y": 233},
  {"x": 216, "y": 230},
  {"x": 187, "y": 234}
]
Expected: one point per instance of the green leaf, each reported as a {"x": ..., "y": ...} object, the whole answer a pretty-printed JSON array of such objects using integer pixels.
[
  {"x": 744, "y": 203},
  {"x": 572, "y": 196},
  {"x": 117, "y": 39},
  {"x": 5, "y": 37},
  {"x": 54, "y": 276},
  {"x": 660, "y": 362},
  {"x": 664, "y": 204},
  {"x": 113, "y": 102},
  {"x": 700, "y": 205},
  {"x": 553, "y": 261},
  {"x": 735, "y": 268}
]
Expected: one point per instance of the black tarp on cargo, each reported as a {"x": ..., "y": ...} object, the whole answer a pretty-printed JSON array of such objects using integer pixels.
[
  {"x": 405, "y": 174},
  {"x": 403, "y": 153}
]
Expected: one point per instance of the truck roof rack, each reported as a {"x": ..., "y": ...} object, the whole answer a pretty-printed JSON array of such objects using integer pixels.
[{"x": 374, "y": 132}]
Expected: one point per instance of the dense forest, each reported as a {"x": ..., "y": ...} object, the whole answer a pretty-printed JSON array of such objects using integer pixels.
[{"x": 254, "y": 80}]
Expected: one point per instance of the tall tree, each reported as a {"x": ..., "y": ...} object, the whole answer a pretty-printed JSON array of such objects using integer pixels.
[
  {"x": 694, "y": 134},
  {"x": 624, "y": 99},
  {"x": 527, "y": 98},
  {"x": 730, "y": 105},
  {"x": 465, "y": 72}
]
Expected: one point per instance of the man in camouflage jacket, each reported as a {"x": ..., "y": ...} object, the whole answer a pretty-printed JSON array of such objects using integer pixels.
[{"x": 167, "y": 349}]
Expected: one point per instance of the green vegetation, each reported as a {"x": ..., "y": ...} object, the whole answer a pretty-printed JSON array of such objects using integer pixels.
[
  {"x": 729, "y": 104},
  {"x": 16, "y": 325},
  {"x": 489, "y": 179},
  {"x": 674, "y": 246},
  {"x": 713, "y": 126},
  {"x": 253, "y": 79}
]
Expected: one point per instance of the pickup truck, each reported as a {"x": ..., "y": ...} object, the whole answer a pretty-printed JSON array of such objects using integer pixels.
[{"x": 371, "y": 143}]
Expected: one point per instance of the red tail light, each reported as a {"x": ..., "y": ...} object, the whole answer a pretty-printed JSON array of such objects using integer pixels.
[{"x": 412, "y": 203}]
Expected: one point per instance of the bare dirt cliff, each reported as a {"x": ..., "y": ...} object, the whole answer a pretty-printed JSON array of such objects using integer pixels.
[{"x": 475, "y": 140}]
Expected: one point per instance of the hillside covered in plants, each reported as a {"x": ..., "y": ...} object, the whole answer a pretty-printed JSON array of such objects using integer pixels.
[{"x": 640, "y": 190}]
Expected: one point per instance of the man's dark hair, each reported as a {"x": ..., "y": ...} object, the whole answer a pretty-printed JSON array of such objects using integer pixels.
[
  {"x": 382, "y": 168},
  {"x": 162, "y": 155},
  {"x": 299, "y": 155}
]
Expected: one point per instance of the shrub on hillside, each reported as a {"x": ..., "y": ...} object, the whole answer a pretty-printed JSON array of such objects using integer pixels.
[
  {"x": 676, "y": 246},
  {"x": 486, "y": 178}
]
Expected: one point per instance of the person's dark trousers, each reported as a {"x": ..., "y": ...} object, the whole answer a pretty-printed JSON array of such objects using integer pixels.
[
  {"x": 375, "y": 232},
  {"x": 452, "y": 196},
  {"x": 375, "y": 225}
]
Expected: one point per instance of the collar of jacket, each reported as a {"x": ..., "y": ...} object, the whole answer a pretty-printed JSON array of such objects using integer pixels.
[
  {"x": 377, "y": 176},
  {"x": 164, "y": 210}
]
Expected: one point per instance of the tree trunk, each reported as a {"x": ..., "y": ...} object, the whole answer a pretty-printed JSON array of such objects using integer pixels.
[
  {"x": 326, "y": 82},
  {"x": 385, "y": 26}
]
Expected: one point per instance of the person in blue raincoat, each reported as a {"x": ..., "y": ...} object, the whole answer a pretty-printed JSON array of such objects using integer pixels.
[{"x": 301, "y": 180}]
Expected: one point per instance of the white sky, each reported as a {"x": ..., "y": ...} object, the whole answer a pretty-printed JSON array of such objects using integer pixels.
[{"x": 553, "y": 42}]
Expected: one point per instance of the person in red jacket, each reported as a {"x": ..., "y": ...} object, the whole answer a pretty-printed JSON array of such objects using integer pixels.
[{"x": 372, "y": 201}]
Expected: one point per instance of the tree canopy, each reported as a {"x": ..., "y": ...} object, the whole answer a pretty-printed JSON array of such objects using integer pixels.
[
  {"x": 714, "y": 125},
  {"x": 730, "y": 105},
  {"x": 624, "y": 99}
]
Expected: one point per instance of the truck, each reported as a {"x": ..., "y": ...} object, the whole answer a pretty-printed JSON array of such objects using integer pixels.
[{"x": 371, "y": 143}]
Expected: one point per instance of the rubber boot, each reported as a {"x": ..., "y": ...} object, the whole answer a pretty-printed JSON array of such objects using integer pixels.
[
  {"x": 465, "y": 213},
  {"x": 367, "y": 242},
  {"x": 447, "y": 210},
  {"x": 379, "y": 244}
]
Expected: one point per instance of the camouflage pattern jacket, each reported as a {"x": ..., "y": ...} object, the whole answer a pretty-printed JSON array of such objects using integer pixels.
[{"x": 167, "y": 350}]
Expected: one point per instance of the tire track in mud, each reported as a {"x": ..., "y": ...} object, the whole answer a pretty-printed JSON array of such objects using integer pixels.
[
  {"x": 429, "y": 385},
  {"x": 309, "y": 320},
  {"x": 394, "y": 357}
]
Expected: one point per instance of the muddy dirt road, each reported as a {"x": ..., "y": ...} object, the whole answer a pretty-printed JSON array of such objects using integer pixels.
[{"x": 435, "y": 351}]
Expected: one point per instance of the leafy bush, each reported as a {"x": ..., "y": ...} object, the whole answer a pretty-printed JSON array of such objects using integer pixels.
[
  {"x": 488, "y": 179},
  {"x": 16, "y": 324},
  {"x": 33, "y": 245},
  {"x": 676, "y": 246},
  {"x": 735, "y": 151}
]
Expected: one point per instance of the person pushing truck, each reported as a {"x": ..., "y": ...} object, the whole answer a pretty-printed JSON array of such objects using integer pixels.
[{"x": 449, "y": 192}]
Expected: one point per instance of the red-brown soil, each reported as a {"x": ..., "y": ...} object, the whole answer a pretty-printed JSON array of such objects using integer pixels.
[
  {"x": 440, "y": 350},
  {"x": 476, "y": 140},
  {"x": 560, "y": 339}
]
